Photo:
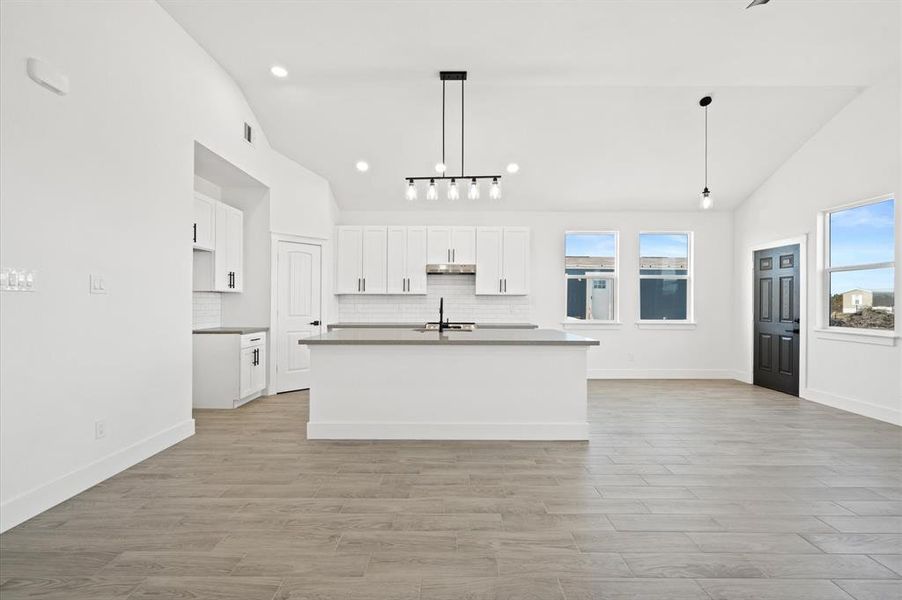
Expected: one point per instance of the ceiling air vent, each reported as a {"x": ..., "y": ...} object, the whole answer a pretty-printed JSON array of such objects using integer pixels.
[{"x": 248, "y": 133}]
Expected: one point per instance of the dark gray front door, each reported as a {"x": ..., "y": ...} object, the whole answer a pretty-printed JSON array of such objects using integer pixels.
[{"x": 777, "y": 319}]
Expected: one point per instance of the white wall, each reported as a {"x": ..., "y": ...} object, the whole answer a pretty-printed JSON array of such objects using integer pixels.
[
  {"x": 100, "y": 181},
  {"x": 854, "y": 156},
  {"x": 625, "y": 351}
]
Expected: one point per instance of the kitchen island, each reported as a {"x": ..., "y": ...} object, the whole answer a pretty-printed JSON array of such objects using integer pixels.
[{"x": 411, "y": 383}]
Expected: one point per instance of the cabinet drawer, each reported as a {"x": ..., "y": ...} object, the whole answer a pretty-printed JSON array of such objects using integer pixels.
[{"x": 249, "y": 340}]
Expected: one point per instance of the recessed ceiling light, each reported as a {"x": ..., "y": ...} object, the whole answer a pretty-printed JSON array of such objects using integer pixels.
[
  {"x": 440, "y": 167},
  {"x": 513, "y": 168},
  {"x": 279, "y": 71},
  {"x": 363, "y": 166}
]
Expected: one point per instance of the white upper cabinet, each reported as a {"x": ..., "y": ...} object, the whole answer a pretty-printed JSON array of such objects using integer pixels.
[
  {"x": 489, "y": 279},
  {"x": 349, "y": 248},
  {"x": 374, "y": 259},
  {"x": 451, "y": 245},
  {"x": 204, "y": 222},
  {"x": 228, "y": 253},
  {"x": 416, "y": 260},
  {"x": 406, "y": 266},
  {"x": 361, "y": 260},
  {"x": 502, "y": 261}
]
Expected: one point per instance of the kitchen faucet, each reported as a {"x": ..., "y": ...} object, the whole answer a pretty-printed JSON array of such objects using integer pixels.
[{"x": 441, "y": 313}]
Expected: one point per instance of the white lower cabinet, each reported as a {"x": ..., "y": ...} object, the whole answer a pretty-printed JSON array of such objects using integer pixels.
[{"x": 229, "y": 368}]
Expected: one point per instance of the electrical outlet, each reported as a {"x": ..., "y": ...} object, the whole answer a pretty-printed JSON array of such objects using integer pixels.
[
  {"x": 99, "y": 429},
  {"x": 97, "y": 284}
]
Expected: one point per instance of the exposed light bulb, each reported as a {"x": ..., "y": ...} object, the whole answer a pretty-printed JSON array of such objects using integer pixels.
[
  {"x": 706, "y": 200},
  {"x": 495, "y": 190},
  {"x": 453, "y": 192},
  {"x": 411, "y": 194},
  {"x": 513, "y": 168},
  {"x": 473, "y": 193},
  {"x": 432, "y": 193},
  {"x": 440, "y": 167}
]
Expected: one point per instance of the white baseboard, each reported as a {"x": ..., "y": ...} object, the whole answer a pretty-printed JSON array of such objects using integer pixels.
[
  {"x": 448, "y": 431},
  {"x": 33, "y": 502},
  {"x": 743, "y": 376},
  {"x": 661, "y": 374},
  {"x": 859, "y": 407}
]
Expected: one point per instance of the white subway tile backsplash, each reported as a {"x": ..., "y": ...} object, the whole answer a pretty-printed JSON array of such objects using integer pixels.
[
  {"x": 207, "y": 310},
  {"x": 461, "y": 304}
]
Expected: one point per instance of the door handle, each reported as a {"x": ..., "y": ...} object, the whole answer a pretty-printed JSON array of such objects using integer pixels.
[
  {"x": 449, "y": 254},
  {"x": 454, "y": 255},
  {"x": 364, "y": 284},
  {"x": 315, "y": 323},
  {"x": 358, "y": 284},
  {"x": 195, "y": 233},
  {"x": 500, "y": 286},
  {"x": 505, "y": 285}
]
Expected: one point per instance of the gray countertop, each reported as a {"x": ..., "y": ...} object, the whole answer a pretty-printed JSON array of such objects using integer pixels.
[
  {"x": 232, "y": 330},
  {"x": 386, "y": 325},
  {"x": 481, "y": 337}
]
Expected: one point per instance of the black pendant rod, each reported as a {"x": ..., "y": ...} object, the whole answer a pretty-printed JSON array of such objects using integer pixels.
[
  {"x": 462, "y": 82},
  {"x": 706, "y": 147},
  {"x": 443, "y": 121},
  {"x": 441, "y": 177}
]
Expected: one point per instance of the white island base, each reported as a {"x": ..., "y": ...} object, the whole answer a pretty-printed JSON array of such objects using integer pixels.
[{"x": 448, "y": 392}]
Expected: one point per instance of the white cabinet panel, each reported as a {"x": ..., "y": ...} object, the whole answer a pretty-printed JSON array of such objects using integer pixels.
[
  {"x": 515, "y": 261},
  {"x": 439, "y": 245},
  {"x": 228, "y": 255},
  {"x": 488, "y": 260},
  {"x": 228, "y": 369},
  {"x": 463, "y": 245},
  {"x": 396, "y": 260},
  {"x": 502, "y": 261},
  {"x": 349, "y": 279},
  {"x": 204, "y": 222},
  {"x": 416, "y": 260},
  {"x": 246, "y": 372},
  {"x": 374, "y": 260}
]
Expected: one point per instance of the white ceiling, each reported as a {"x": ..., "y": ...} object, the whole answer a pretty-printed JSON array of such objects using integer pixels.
[{"x": 597, "y": 101}]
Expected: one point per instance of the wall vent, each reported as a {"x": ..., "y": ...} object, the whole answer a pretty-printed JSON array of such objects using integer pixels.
[{"x": 248, "y": 133}]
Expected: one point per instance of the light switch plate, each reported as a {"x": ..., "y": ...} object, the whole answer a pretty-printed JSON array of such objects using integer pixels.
[
  {"x": 97, "y": 284},
  {"x": 13, "y": 279}
]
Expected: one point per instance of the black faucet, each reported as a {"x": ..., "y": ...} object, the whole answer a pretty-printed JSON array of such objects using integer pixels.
[{"x": 441, "y": 313}]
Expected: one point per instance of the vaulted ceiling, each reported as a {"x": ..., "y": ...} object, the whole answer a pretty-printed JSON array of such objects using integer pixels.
[{"x": 596, "y": 101}]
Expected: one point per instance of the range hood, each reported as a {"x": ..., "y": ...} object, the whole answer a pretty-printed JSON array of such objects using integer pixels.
[{"x": 450, "y": 269}]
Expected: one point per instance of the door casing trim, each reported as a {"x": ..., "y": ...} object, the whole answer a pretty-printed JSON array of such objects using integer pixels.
[
  {"x": 274, "y": 293},
  {"x": 802, "y": 241}
]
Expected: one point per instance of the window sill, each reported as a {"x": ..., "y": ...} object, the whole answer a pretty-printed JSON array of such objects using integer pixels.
[
  {"x": 858, "y": 336},
  {"x": 591, "y": 324},
  {"x": 663, "y": 324}
]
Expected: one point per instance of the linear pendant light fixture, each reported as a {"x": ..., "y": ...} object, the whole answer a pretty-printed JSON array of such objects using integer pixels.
[
  {"x": 706, "y": 200},
  {"x": 471, "y": 181}
]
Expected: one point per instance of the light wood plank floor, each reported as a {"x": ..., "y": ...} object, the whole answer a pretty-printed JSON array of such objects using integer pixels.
[{"x": 687, "y": 490}]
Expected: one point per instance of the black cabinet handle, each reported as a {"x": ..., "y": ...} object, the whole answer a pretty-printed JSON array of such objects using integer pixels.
[
  {"x": 195, "y": 233},
  {"x": 315, "y": 323}
]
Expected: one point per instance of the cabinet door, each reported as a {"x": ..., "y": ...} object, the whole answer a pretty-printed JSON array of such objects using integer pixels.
[
  {"x": 235, "y": 248},
  {"x": 439, "y": 245},
  {"x": 515, "y": 261},
  {"x": 221, "y": 267},
  {"x": 204, "y": 222},
  {"x": 259, "y": 376},
  {"x": 246, "y": 372},
  {"x": 463, "y": 245},
  {"x": 416, "y": 260},
  {"x": 349, "y": 279},
  {"x": 396, "y": 261},
  {"x": 374, "y": 255},
  {"x": 488, "y": 261}
]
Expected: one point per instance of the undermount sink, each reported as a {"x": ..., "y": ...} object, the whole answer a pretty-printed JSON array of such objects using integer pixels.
[{"x": 448, "y": 327}]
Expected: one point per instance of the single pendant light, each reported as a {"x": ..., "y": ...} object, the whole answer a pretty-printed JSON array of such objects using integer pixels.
[
  {"x": 411, "y": 190},
  {"x": 706, "y": 200},
  {"x": 432, "y": 193},
  {"x": 453, "y": 192},
  {"x": 473, "y": 194}
]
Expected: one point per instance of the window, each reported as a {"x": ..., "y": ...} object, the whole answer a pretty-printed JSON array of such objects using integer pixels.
[
  {"x": 664, "y": 286},
  {"x": 590, "y": 270},
  {"x": 860, "y": 265}
]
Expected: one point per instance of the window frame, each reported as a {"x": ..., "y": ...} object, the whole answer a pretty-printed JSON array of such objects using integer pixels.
[
  {"x": 614, "y": 278},
  {"x": 827, "y": 270},
  {"x": 689, "y": 277}
]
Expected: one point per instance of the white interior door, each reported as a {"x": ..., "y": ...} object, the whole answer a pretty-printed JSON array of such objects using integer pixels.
[{"x": 298, "y": 312}]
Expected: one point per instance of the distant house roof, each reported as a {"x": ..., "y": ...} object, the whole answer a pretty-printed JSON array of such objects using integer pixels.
[
  {"x": 589, "y": 262},
  {"x": 857, "y": 290},
  {"x": 884, "y": 299}
]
